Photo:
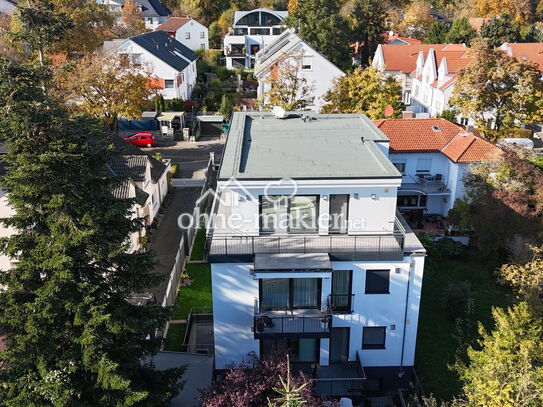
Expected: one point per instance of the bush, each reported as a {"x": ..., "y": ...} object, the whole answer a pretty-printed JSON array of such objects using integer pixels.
[
  {"x": 456, "y": 299},
  {"x": 174, "y": 170},
  {"x": 444, "y": 247}
]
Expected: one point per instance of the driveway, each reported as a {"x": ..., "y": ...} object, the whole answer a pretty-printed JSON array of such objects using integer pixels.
[{"x": 165, "y": 240}]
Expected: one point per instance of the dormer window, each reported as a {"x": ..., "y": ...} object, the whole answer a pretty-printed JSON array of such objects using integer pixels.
[{"x": 436, "y": 128}]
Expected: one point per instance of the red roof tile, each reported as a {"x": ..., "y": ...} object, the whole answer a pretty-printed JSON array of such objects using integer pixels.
[
  {"x": 435, "y": 135},
  {"x": 173, "y": 24},
  {"x": 403, "y": 58},
  {"x": 531, "y": 51}
]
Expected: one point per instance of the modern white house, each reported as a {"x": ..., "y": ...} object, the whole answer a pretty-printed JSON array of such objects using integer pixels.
[
  {"x": 406, "y": 62},
  {"x": 154, "y": 12},
  {"x": 173, "y": 65},
  {"x": 433, "y": 155},
  {"x": 250, "y": 32},
  {"x": 187, "y": 31},
  {"x": 7, "y": 6},
  {"x": 288, "y": 48},
  {"x": 309, "y": 252}
]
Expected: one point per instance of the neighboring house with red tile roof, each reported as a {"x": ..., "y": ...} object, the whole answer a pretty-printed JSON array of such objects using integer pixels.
[
  {"x": 433, "y": 156},
  {"x": 530, "y": 51},
  {"x": 187, "y": 31},
  {"x": 401, "y": 61}
]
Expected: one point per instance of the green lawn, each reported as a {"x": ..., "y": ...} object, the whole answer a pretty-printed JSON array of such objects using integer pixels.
[
  {"x": 174, "y": 338},
  {"x": 436, "y": 343},
  {"x": 199, "y": 245},
  {"x": 198, "y": 294}
]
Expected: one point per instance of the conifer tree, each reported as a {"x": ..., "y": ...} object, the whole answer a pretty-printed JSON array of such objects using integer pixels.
[{"x": 73, "y": 338}]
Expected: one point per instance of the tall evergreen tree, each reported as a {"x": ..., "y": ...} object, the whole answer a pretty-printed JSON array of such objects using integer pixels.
[
  {"x": 461, "y": 32},
  {"x": 319, "y": 23},
  {"x": 437, "y": 33},
  {"x": 499, "y": 30},
  {"x": 73, "y": 339}
]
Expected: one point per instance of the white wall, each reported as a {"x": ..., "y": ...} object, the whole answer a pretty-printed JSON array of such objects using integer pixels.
[
  {"x": 234, "y": 291},
  {"x": 195, "y": 30},
  {"x": 320, "y": 78},
  {"x": 162, "y": 70},
  {"x": 373, "y": 215},
  {"x": 6, "y": 6}
]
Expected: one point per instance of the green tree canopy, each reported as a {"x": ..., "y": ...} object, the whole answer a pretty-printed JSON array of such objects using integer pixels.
[
  {"x": 365, "y": 91},
  {"x": 461, "y": 32},
  {"x": 73, "y": 338},
  {"x": 319, "y": 23},
  {"x": 494, "y": 83},
  {"x": 508, "y": 369},
  {"x": 437, "y": 33},
  {"x": 499, "y": 30}
]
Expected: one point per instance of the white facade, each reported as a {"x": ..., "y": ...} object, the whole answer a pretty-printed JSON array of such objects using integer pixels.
[
  {"x": 152, "y": 18},
  {"x": 318, "y": 72},
  {"x": 193, "y": 35},
  {"x": 238, "y": 277},
  {"x": 174, "y": 83},
  {"x": 7, "y": 6},
  {"x": 250, "y": 32}
]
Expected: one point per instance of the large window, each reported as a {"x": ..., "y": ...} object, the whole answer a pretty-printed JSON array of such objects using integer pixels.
[
  {"x": 373, "y": 337},
  {"x": 377, "y": 281},
  {"x": 411, "y": 201},
  {"x": 289, "y": 293},
  {"x": 424, "y": 165},
  {"x": 340, "y": 298},
  {"x": 300, "y": 350},
  {"x": 304, "y": 211},
  {"x": 169, "y": 83},
  {"x": 272, "y": 208}
]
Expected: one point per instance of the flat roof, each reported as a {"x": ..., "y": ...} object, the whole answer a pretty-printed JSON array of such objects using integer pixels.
[
  {"x": 292, "y": 261},
  {"x": 337, "y": 146}
]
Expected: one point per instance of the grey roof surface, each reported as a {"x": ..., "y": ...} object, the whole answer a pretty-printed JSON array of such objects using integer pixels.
[
  {"x": 289, "y": 261},
  {"x": 126, "y": 148},
  {"x": 166, "y": 48},
  {"x": 240, "y": 14},
  {"x": 260, "y": 146},
  {"x": 133, "y": 166}
]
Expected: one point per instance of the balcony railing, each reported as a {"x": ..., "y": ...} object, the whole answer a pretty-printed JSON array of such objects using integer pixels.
[
  {"x": 368, "y": 246},
  {"x": 340, "y": 379},
  {"x": 424, "y": 183},
  {"x": 341, "y": 303},
  {"x": 288, "y": 323}
]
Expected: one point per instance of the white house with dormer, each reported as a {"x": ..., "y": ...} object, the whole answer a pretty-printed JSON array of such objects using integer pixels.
[
  {"x": 318, "y": 73},
  {"x": 187, "y": 31},
  {"x": 154, "y": 11},
  {"x": 172, "y": 64}
]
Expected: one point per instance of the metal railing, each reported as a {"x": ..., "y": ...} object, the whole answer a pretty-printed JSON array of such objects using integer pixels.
[
  {"x": 272, "y": 323},
  {"x": 351, "y": 385},
  {"x": 427, "y": 184},
  {"x": 374, "y": 246},
  {"x": 341, "y": 303}
]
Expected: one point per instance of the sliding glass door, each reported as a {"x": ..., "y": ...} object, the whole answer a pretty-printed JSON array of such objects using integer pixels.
[
  {"x": 289, "y": 293},
  {"x": 341, "y": 296},
  {"x": 303, "y": 350}
]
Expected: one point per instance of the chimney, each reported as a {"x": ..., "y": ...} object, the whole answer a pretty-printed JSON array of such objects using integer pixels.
[{"x": 408, "y": 115}]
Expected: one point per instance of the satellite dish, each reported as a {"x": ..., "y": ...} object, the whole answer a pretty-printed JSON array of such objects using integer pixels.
[
  {"x": 389, "y": 111},
  {"x": 278, "y": 112}
]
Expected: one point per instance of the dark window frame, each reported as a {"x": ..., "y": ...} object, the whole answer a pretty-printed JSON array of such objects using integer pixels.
[
  {"x": 285, "y": 341},
  {"x": 377, "y": 291},
  {"x": 374, "y": 346},
  {"x": 290, "y": 306}
]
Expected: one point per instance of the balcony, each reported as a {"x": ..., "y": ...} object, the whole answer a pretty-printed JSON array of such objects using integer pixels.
[
  {"x": 367, "y": 246},
  {"x": 424, "y": 183},
  {"x": 291, "y": 323},
  {"x": 340, "y": 379},
  {"x": 341, "y": 303}
]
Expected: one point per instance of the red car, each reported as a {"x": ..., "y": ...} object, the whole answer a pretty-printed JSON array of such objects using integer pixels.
[{"x": 142, "y": 139}]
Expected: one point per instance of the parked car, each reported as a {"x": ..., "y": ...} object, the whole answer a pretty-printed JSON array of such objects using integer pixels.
[{"x": 142, "y": 139}]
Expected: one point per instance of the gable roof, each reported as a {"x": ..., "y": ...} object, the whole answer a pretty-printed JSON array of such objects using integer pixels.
[
  {"x": 166, "y": 48},
  {"x": 279, "y": 48},
  {"x": 403, "y": 57},
  {"x": 126, "y": 148},
  {"x": 173, "y": 24},
  {"x": 160, "y": 8},
  {"x": 435, "y": 135}
]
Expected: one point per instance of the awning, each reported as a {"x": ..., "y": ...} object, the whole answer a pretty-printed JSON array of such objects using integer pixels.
[
  {"x": 292, "y": 262},
  {"x": 148, "y": 116},
  {"x": 169, "y": 116}
]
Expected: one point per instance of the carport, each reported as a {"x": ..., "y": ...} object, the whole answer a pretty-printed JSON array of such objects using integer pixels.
[{"x": 210, "y": 125}]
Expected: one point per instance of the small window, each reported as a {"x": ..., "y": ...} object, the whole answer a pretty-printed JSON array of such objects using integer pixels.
[
  {"x": 202, "y": 34},
  {"x": 168, "y": 84},
  {"x": 202, "y": 46},
  {"x": 400, "y": 167},
  {"x": 306, "y": 67},
  {"x": 187, "y": 36},
  {"x": 424, "y": 164},
  {"x": 377, "y": 281},
  {"x": 373, "y": 337}
]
